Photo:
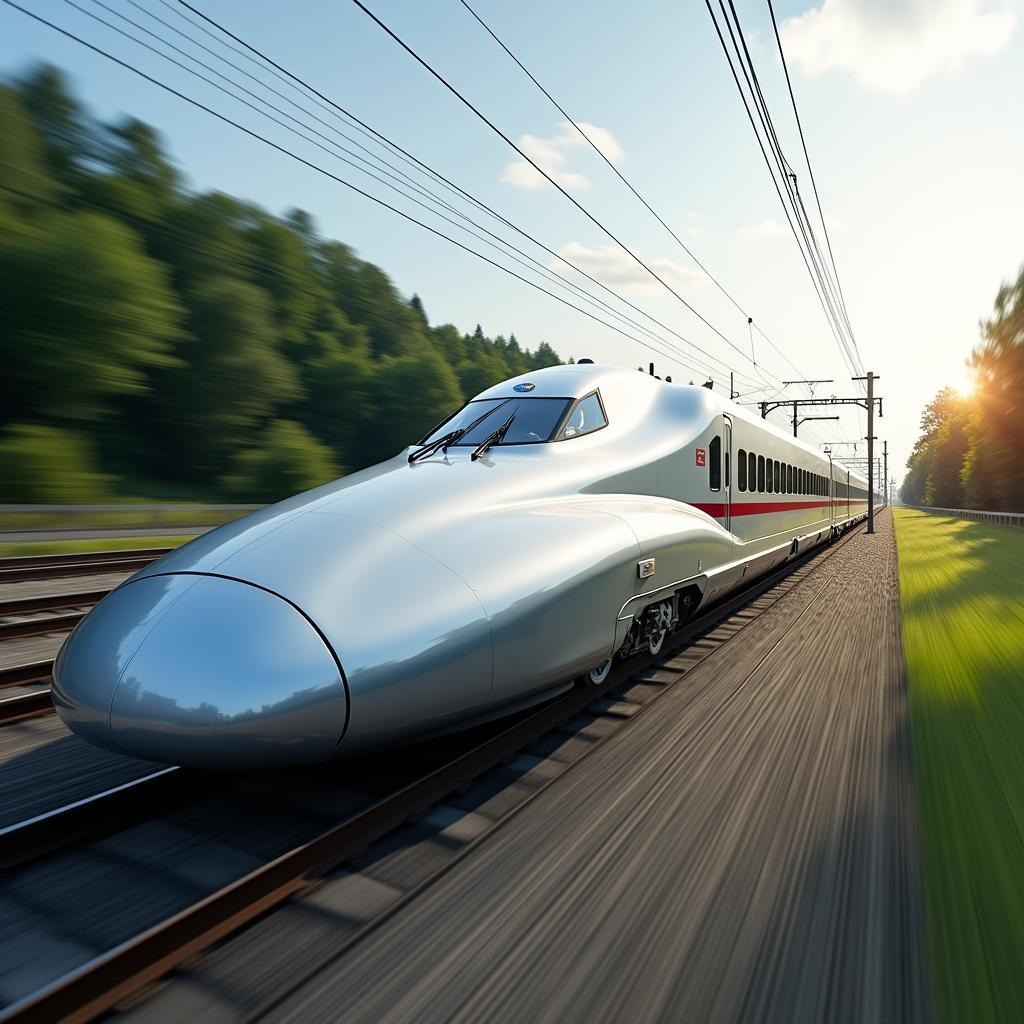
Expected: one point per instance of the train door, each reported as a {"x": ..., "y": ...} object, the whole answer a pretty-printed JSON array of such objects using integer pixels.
[{"x": 727, "y": 482}]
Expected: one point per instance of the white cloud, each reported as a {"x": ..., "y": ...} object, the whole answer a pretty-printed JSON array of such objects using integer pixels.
[
  {"x": 892, "y": 46},
  {"x": 766, "y": 228},
  {"x": 617, "y": 269},
  {"x": 552, "y": 154}
]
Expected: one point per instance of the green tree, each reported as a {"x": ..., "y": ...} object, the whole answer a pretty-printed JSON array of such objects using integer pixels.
[
  {"x": 411, "y": 394},
  {"x": 46, "y": 466},
  {"x": 232, "y": 377},
  {"x": 996, "y": 467},
  {"x": 26, "y": 185},
  {"x": 481, "y": 373},
  {"x": 69, "y": 136},
  {"x": 84, "y": 315},
  {"x": 287, "y": 459}
]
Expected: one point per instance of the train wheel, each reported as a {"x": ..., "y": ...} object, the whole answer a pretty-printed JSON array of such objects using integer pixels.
[
  {"x": 657, "y": 640},
  {"x": 596, "y": 676}
]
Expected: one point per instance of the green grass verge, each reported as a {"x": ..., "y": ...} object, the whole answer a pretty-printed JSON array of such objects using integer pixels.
[
  {"x": 962, "y": 601},
  {"x": 62, "y": 547}
]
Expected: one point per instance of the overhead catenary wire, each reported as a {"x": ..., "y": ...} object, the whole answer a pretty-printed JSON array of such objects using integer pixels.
[
  {"x": 539, "y": 267},
  {"x": 625, "y": 181},
  {"x": 316, "y": 167},
  {"x": 494, "y": 241},
  {"x": 295, "y": 82},
  {"x": 814, "y": 272},
  {"x": 810, "y": 169},
  {"x": 579, "y": 206},
  {"x": 822, "y": 284}
]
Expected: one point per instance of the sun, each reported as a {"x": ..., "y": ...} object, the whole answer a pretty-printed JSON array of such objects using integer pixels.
[{"x": 964, "y": 385}]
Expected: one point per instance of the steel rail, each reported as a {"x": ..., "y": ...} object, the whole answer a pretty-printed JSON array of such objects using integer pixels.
[
  {"x": 40, "y": 626},
  {"x": 77, "y": 557},
  {"x": 19, "y": 574},
  {"x": 25, "y": 705},
  {"x": 51, "y": 602},
  {"x": 23, "y": 675},
  {"x": 100, "y": 984},
  {"x": 30, "y": 839}
]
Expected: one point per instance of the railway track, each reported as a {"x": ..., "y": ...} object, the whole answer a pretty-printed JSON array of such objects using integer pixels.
[
  {"x": 33, "y": 680},
  {"x": 45, "y": 567},
  {"x": 38, "y": 615},
  {"x": 556, "y": 735}
]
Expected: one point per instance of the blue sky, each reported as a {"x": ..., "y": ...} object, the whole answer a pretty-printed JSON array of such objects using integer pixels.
[{"x": 909, "y": 108}]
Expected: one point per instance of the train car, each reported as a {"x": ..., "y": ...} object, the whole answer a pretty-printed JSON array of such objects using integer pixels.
[{"x": 558, "y": 520}]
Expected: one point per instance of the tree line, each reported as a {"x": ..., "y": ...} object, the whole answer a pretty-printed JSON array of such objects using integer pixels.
[
  {"x": 161, "y": 342},
  {"x": 971, "y": 450}
]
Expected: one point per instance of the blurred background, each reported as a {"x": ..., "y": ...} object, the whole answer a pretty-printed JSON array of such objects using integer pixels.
[{"x": 159, "y": 343}]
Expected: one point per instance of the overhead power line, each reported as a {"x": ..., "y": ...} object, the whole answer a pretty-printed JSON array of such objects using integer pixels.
[
  {"x": 326, "y": 103},
  {"x": 625, "y": 181},
  {"x": 498, "y": 242},
  {"x": 807, "y": 160},
  {"x": 792, "y": 205},
  {"x": 313, "y": 166},
  {"x": 579, "y": 206}
]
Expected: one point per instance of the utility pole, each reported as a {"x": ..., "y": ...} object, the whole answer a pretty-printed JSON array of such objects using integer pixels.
[{"x": 871, "y": 378}]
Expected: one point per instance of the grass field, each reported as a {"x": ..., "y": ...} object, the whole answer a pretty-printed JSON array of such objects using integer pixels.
[
  {"x": 962, "y": 600},
  {"x": 60, "y": 547}
]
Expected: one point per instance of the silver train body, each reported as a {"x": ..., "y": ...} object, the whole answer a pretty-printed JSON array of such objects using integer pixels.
[{"x": 415, "y": 597}]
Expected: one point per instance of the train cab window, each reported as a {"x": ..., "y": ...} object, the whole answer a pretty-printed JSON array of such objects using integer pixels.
[
  {"x": 535, "y": 420},
  {"x": 587, "y": 417},
  {"x": 741, "y": 470},
  {"x": 715, "y": 463},
  {"x": 760, "y": 473}
]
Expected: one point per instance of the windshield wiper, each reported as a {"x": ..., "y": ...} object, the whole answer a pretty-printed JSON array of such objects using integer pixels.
[
  {"x": 440, "y": 443},
  {"x": 496, "y": 438},
  {"x": 453, "y": 437}
]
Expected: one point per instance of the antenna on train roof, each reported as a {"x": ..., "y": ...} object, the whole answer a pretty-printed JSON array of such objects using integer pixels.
[
  {"x": 580, "y": 362},
  {"x": 709, "y": 384}
]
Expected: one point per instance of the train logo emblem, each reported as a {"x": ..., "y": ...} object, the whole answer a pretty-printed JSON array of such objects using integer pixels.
[
  {"x": 523, "y": 387},
  {"x": 701, "y": 457}
]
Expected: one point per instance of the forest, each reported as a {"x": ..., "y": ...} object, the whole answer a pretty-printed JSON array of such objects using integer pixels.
[
  {"x": 158, "y": 342},
  {"x": 970, "y": 453}
]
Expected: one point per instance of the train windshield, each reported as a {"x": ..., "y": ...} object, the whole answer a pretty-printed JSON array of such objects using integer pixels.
[{"x": 536, "y": 420}]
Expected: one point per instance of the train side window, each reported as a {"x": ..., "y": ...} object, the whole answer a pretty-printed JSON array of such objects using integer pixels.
[
  {"x": 587, "y": 417},
  {"x": 715, "y": 463},
  {"x": 752, "y": 471},
  {"x": 778, "y": 477},
  {"x": 760, "y": 473},
  {"x": 741, "y": 470},
  {"x": 789, "y": 478}
]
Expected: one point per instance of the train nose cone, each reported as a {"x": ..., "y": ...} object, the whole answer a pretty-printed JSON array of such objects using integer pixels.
[{"x": 202, "y": 671}]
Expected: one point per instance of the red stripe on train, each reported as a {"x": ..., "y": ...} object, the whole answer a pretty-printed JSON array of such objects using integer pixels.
[{"x": 757, "y": 508}]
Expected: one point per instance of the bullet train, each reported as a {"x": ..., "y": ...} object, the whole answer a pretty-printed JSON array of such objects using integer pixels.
[{"x": 557, "y": 521}]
